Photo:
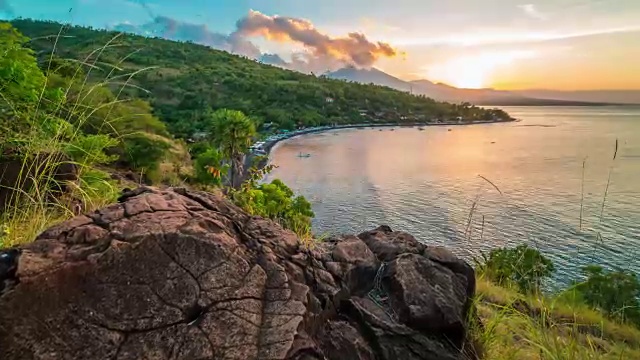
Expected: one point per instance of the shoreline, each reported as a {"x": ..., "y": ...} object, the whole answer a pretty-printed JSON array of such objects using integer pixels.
[{"x": 270, "y": 144}]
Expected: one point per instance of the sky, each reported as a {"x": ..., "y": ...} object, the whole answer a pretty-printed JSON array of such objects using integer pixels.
[{"x": 504, "y": 44}]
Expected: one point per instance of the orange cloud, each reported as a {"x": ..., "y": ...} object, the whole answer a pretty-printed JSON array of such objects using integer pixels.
[{"x": 354, "y": 48}]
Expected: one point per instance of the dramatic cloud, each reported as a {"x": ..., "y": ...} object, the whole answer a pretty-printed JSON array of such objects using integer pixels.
[
  {"x": 322, "y": 52},
  {"x": 6, "y": 9},
  {"x": 353, "y": 49},
  {"x": 169, "y": 28},
  {"x": 310, "y": 63},
  {"x": 304, "y": 62}
]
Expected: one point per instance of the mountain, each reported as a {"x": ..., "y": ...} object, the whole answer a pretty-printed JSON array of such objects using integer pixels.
[
  {"x": 453, "y": 94},
  {"x": 370, "y": 76},
  {"x": 612, "y": 96},
  {"x": 184, "y": 82},
  {"x": 444, "y": 92},
  {"x": 440, "y": 92}
]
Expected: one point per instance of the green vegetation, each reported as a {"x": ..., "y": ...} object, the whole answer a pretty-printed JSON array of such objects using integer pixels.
[
  {"x": 276, "y": 201},
  {"x": 232, "y": 134},
  {"x": 84, "y": 117},
  {"x": 615, "y": 293},
  {"x": 184, "y": 82},
  {"x": 534, "y": 327},
  {"x": 74, "y": 115},
  {"x": 595, "y": 318},
  {"x": 60, "y": 130},
  {"x": 523, "y": 266}
]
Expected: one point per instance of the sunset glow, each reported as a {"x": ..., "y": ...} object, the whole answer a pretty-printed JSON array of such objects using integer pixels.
[
  {"x": 507, "y": 45},
  {"x": 474, "y": 71}
]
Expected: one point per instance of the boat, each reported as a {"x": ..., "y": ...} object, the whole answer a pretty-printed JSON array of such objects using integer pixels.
[
  {"x": 421, "y": 128},
  {"x": 301, "y": 155}
]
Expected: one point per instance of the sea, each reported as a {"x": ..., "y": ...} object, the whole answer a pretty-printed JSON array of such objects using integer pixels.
[{"x": 565, "y": 180}]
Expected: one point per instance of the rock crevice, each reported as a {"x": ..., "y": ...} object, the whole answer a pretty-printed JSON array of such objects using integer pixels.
[{"x": 177, "y": 274}]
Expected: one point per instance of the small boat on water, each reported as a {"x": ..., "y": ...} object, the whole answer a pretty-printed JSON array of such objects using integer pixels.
[
  {"x": 301, "y": 155},
  {"x": 421, "y": 129}
]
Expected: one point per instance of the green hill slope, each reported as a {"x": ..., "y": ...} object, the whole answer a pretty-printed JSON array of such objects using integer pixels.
[{"x": 183, "y": 81}]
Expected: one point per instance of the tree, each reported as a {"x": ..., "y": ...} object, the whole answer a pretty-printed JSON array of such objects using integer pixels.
[
  {"x": 232, "y": 133},
  {"x": 23, "y": 89},
  {"x": 190, "y": 79},
  {"x": 522, "y": 266},
  {"x": 614, "y": 292}
]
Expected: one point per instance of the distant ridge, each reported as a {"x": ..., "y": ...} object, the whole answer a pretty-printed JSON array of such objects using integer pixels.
[{"x": 443, "y": 92}]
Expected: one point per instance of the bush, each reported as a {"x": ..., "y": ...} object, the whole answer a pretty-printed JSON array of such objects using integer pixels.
[
  {"x": 615, "y": 293},
  {"x": 209, "y": 168},
  {"x": 276, "y": 201},
  {"x": 145, "y": 152},
  {"x": 89, "y": 150},
  {"x": 521, "y": 266}
]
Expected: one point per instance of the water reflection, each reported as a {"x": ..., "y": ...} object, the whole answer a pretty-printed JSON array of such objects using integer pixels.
[{"x": 426, "y": 182}]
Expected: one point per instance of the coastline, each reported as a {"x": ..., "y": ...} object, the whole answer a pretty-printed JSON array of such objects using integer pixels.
[{"x": 270, "y": 144}]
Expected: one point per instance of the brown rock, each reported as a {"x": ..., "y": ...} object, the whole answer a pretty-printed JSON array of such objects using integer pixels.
[
  {"x": 387, "y": 244},
  {"x": 175, "y": 274}
]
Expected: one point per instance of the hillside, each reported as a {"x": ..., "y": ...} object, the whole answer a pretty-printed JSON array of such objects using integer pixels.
[{"x": 183, "y": 81}]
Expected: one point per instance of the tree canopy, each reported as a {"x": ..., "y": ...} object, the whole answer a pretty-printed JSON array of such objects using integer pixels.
[
  {"x": 232, "y": 132},
  {"x": 184, "y": 82}
]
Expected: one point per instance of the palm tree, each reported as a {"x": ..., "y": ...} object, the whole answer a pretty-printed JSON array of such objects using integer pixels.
[{"x": 232, "y": 133}]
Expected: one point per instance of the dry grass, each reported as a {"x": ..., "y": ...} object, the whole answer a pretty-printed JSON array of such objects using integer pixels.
[{"x": 527, "y": 327}]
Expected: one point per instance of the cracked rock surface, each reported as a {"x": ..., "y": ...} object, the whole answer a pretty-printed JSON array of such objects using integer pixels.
[{"x": 178, "y": 274}]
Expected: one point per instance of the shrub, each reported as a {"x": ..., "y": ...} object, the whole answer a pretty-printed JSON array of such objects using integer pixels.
[
  {"x": 89, "y": 150},
  {"x": 145, "y": 152},
  {"x": 209, "y": 168},
  {"x": 276, "y": 201},
  {"x": 615, "y": 293},
  {"x": 521, "y": 266}
]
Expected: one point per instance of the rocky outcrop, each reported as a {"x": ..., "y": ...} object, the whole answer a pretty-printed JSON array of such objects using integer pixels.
[{"x": 175, "y": 274}]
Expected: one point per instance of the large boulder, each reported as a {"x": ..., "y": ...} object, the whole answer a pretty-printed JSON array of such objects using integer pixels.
[{"x": 176, "y": 274}]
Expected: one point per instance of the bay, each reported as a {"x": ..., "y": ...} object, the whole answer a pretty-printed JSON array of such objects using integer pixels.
[{"x": 540, "y": 181}]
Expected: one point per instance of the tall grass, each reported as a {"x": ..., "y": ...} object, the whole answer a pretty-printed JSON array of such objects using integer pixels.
[
  {"x": 545, "y": 325},
  {"x": 515, "y": 326},
  {"x": 35, "y": 204}
]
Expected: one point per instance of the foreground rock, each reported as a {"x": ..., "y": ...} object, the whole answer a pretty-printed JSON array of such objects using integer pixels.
[{"x": 186, "y": 275}]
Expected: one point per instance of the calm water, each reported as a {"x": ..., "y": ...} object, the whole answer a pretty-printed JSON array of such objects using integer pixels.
[{"x": 426, "y": 183}]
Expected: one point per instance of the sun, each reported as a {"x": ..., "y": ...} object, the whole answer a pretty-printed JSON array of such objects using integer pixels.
[
  {"x": 467, "y": 77},
  {"x": 473, "y": 71}
]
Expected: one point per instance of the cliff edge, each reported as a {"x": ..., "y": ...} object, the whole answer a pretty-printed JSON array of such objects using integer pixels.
[{"x": 177, "y": 274}]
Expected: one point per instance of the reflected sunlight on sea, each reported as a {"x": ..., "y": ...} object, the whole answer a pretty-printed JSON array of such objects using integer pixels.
[{"x": 426, "y": 182}]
